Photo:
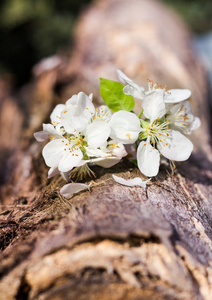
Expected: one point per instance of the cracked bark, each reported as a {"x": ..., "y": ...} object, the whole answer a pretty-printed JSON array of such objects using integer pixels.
[{"x": 114, "y": 242}]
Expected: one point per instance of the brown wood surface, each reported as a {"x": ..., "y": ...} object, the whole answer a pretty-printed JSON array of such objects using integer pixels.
[{"x": 114, "y": 242}]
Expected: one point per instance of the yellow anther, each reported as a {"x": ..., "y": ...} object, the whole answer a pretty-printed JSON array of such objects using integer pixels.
[{"x": 128, "y": 135}]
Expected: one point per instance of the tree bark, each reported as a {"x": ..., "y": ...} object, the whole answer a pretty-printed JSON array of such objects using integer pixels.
[{"x": 113, "y": 242}]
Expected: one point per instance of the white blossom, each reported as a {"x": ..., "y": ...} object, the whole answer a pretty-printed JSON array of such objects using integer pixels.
[
  {"x": 79, "y": 136},
  {"x": 159, "y": 138},
  {"x": 181, "y": 118},
  {"x": 133, "y": 89}
]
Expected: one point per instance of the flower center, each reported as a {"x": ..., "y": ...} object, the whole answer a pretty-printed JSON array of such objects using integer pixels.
[
  {"x": 157, "y": 132},
  {"x": 73, "y": 143}
]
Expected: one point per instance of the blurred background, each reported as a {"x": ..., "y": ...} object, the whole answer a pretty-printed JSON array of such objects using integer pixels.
[{"x": 35, "y": 29}]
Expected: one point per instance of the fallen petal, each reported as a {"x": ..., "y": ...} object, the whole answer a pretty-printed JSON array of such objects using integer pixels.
[
  {"x": 71, "y": 188},
  {"x": 137, "y": 181}
]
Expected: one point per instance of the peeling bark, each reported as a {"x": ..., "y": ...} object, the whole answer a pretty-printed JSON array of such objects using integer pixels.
[{"x": 114, "y": 242}]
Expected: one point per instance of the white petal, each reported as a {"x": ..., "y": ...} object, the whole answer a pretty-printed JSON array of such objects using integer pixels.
[
  {"x": 97, "y": 133},
  {"x": 52, "y": 172},
  {"x": 104, "y": 113},
  {"x": 194, "y": 125},
  {"x": 72, "y": 119},
  {"x": 125, "y": 127},
  {"x": 127, "y": 81},
  {"x": 153, "y": 105},
  {"x": 83, "y": 162},
  {"x": 119, "y": 150},
  {"x": 91, "y": 96},
  {"x": 173, "y": 108},
  {"x": 85, "y": 102},
  {"x": 65, "y": 175},
  {"x": 49, "y": 128},
  {"x": 148, "y": 159},
  {"x": 53, "y": 152},
  {"x": 54, "y": 117},
  {"x": 72, "y": 100},
  {"x": 72, "y": 188},
  {"x": 179, "y": 148},
  {"x": 123, "y": 78},
  {"x": 187, "y": 107},
  {"x": 106, "y": 162},
  {"x": 137, "y": 181},
  {"x": 69, "y": 160},
  {"x": 41, "y": 136},
  {"x": 92, "y": 152},
  {"x": 77, "y": 116},
  {"x": 135, "y": 92},
  {"x": 177, "y": 95}
]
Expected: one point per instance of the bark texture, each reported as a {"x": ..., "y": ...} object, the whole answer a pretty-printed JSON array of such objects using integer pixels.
[{"x": 114, "y": 242}]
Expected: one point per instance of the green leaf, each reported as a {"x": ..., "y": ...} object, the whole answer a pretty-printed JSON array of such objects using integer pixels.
[{"x": 114, "y": 97}]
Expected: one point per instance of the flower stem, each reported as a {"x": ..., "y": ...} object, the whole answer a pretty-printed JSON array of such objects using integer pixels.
[{"x": 141, "y": 113}]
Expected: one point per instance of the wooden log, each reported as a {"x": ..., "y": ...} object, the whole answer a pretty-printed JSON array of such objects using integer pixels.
[{"x": 114, "y": 242}]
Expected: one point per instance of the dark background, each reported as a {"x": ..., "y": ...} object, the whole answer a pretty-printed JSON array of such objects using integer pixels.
[{"x": 33, "y": 29}]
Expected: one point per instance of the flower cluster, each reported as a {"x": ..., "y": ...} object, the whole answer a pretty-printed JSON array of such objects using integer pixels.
[
  {"x": 165, "y": 119},
  {"x": 81, "y": 135}
]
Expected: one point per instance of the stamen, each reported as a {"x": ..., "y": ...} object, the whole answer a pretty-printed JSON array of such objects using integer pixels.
[
  {"x": 128, "y": 135},
  {"x": 81, "y": 173}
]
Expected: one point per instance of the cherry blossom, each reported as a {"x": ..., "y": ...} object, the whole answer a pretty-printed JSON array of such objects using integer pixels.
[
  {"x": 157, "y": 137},
  {"x": 133, "y": 89}
]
